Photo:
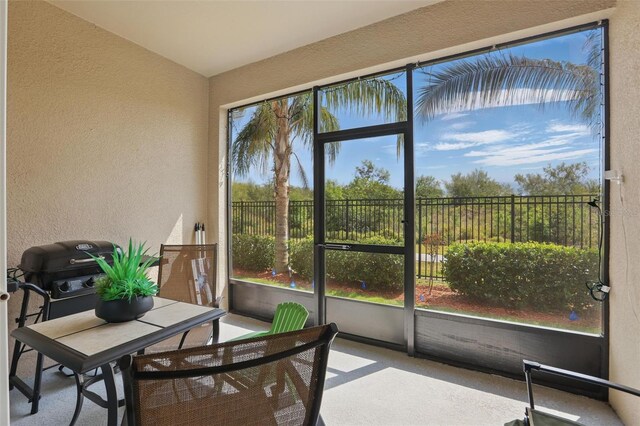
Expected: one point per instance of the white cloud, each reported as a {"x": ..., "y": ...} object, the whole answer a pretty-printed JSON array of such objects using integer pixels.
[
  {"x": 465, "y": 140},
  {"x": 485, "y": 137},
  {"x": 461, "y": 125},
  {"x": 447, "y": 146},
  {"x": 521, "y": 149},
  {"x": 507, "y": 139},
  {"x": 439, "y": 166},
  {"x": 580, "y": 129},
  {"x": 421, "y": 149},
  {"x": 452, "y": 116},
  {"x": 560, "y": 144},
  {"x": 523, "y": 128},
  {"x": 542, "y": 152},
  {"x": 541, "y": 158},
  {"x": 567, "y": 137}
]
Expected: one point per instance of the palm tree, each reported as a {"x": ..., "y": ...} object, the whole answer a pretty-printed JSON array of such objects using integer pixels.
[
  {"x": 276, "y": 129},
  {"x": 492, "y": 81}
]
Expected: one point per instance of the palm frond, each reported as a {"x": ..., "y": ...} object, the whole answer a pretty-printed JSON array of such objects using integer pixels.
[
  {"x": 593, "y": 47},
  {"x": 331, "y": 151},
  {"x": 301, "y": 113},
  {"x": 328, "y": 121},
  {"x": 368, "y": 97},
  {"x": 302, "y": 123},
  {"x": 492, "y": 81},
  {"x": 399, "y": 145},
  {"x": 301, "y": 173},
  {"x": 253, "y": 145}
]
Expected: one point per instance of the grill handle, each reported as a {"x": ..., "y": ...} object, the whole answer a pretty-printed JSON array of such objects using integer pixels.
[{"x": 76, "y": 261}]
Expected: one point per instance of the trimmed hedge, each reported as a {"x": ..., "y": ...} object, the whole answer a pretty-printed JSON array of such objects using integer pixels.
[
  {"x": 301, "y": 257},
  {"x": 253, "y": 252},
  {"x": 378, "y": 271},
  {"x": 515, "y": 275}
]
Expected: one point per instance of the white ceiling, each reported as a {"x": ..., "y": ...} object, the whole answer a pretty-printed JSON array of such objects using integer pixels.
[{"x": 214, "y": 36}]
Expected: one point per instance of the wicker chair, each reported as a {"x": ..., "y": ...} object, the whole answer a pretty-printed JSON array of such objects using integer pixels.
[
  {"x": 187, "y": 273},
  {"x": 274, "y": 380}
]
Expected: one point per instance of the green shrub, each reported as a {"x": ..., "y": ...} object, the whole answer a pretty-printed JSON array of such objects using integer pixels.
[
  {"x": 359, "y": 237},
  {"x": 253, "y": 252},
  {"x": 301, "y": 257},
  {"x": 514, "y": 275},
  {"x": 378, "y": 271}
]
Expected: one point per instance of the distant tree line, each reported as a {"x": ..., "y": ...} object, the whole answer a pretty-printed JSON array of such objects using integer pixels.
[{"x": 371, "y": 182}]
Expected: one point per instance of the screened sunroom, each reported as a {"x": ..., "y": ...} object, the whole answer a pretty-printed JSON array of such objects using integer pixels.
[{"x": 450, "y": 183}]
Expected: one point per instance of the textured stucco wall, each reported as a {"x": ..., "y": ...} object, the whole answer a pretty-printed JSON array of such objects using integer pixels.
[
  {"x": 433, "y": 31},
  {"x": 106, "y": 140},
  {"x": 624, "y": 327}
]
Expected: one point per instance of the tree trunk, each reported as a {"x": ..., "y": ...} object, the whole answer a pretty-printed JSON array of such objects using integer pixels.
[{"x": 282, "y": 166}]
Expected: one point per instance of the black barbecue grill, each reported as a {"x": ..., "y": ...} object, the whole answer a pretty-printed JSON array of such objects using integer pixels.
[
  {"x": 63, "y": 274},
  {"x": 65, "y": 269}
]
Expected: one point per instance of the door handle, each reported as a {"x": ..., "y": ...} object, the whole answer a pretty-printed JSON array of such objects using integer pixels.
[{"x": 335, "y": 246}]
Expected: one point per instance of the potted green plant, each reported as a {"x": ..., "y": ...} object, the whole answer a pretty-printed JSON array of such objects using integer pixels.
[{"x": 125, "y": 292}]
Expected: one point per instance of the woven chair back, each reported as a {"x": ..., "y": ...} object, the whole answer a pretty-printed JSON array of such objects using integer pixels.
[
  {"x": 187, "y": 273},
  {"x": 274, "y": 380}
]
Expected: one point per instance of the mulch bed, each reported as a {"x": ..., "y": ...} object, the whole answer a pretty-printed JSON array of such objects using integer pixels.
[{"x": 439, "y": 296}]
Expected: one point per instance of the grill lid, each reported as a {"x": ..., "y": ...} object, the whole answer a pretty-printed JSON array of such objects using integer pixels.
[{"x": 65, "y": 256}]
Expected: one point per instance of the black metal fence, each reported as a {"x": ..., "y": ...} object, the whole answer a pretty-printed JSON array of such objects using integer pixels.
[{"x": 561, "y": 219}]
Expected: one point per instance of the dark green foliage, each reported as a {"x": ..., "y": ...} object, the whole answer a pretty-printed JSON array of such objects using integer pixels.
[
  {"x": 428, "y": 187},
  {"x": 476, "y": 183},
  {"x": 515, "y": 275},
  {"x": 249, "y": 191},
  {"x": 562, "y": 179},
  {"x": 371, "y": 182},
  {"x": 378, "y": 271},
  {"x": 301, "y": 257},
  {"x": 253, "y": 252},
  {"x": 376, "y": 200}
]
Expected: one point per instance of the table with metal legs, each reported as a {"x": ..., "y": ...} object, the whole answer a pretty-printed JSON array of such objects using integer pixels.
[{"x": 82, "y": 342}]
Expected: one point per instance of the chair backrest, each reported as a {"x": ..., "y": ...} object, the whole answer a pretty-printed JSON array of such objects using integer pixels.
[
  {"x": 274, "y": 380},
  {"x": 289, "y": 316},
  {"x": 187, "y": 273}
]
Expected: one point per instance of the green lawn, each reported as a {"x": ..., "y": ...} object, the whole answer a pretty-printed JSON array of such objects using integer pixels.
[
  {"x": 421, "y": 285},
  {"x": 366, "y": 298}
]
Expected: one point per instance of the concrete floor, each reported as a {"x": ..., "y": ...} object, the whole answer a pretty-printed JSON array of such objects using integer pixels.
[{"x": 367, "y": 386}]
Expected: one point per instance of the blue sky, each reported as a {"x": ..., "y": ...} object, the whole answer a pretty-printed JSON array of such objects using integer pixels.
[{"x": 503, "y": 141}]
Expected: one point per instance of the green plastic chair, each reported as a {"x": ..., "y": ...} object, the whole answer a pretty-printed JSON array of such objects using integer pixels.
[{"x": 289, "y": 316}]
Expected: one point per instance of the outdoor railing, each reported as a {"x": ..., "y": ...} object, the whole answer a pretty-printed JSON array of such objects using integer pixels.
[{"x": 560, "y": 219}]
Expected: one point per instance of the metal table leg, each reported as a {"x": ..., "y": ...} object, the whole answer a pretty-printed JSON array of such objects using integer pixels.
[
  {"x": 111, "y": 403},
  {"x": 112, "y": 395},
  {"x": 37, "y": 380},
  {"x": 79, "y": 398}
]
